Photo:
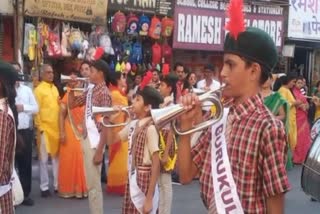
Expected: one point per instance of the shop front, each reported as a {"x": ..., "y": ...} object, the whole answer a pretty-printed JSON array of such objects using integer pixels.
[
  {"x": 141, "y": 35},
  {"x": 7, "y": 30},
  {"x": 58, "y": 32},
  {"x": 199, "y": 29},
  {"x": 133, "y": 35},
  {"x": 304, "y": 36}
]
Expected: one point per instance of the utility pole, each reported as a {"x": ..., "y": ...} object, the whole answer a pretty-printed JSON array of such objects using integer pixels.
[{"x": 18, "y": 30}]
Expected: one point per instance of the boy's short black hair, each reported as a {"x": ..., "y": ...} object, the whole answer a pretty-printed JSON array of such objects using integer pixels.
[{"x": 150, "y": 96}]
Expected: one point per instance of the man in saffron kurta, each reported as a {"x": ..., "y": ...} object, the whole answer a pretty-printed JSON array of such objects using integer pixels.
[{"x": 46, "y": 121}]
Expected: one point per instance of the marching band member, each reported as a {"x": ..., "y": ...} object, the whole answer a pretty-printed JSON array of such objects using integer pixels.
[
  {"x": 46, "y": 121},
  {"x": 241, "y": 158},
  {"x": 8, "y": 116},
  {"x": 168, "y": 146},
  {"x": 94, "y": 135},
  {"x": 141, "y": 195}
]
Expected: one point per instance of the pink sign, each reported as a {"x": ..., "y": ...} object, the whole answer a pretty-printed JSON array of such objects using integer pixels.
[{"x": 199, "y": 25}]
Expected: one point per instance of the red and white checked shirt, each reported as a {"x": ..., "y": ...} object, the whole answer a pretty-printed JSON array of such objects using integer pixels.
[
  {"x": 100, "y": 97},
  {"x": 257, "y": 153},
  {"x": 7, "y": 146}
]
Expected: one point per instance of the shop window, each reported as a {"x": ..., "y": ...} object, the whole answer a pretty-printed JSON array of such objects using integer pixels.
[{"x": 316, "y": 68}]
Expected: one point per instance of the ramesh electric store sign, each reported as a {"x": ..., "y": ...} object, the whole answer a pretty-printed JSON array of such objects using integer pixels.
[{"x": 199, "y": 24}]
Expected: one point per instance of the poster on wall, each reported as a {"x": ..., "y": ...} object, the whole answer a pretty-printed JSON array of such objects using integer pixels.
[
  {"x": 158, "y": 7},
  {"x": 304, "y": 19},
  {"x": 90, "y": 11},
  {"x": 199, "y": 25}
]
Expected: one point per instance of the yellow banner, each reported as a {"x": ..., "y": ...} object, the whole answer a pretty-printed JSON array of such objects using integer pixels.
[{"x": 90, "y": 11}]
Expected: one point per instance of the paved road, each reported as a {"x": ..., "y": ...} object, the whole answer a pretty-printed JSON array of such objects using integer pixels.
[{"x": 186, "y": 201}]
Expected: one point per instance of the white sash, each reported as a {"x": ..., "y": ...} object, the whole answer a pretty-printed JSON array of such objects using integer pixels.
[
  {"x": 92, "y": 130},
  {"x": 6, "y": 188},
  {"x": 225, "y": 189},
  {"x": 137, "y": 196}
]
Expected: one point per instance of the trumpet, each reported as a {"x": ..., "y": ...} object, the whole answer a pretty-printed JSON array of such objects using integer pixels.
[
  {"x": 197, "y": 91},
  {"x": 105, "y": 111},
  {"x": 169, "y": 114},
  {"x": 66, "y": 78},
  {"x": 75, "y": 89}
]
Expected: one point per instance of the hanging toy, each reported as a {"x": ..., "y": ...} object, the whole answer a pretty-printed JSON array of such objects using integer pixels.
[
  {"x": 98, "y": 53},
  {"x": 90, "y": 54},
  {"x": 123, "y": 67},
  {"x": 65, "y": 40},
  {"x": 27, "y": 28},
  {"x": 128, "y": 67},
  {"x": 84, "y": 49},
  {"x": 32, "y": 44},
  {"x": 43, "y": 34},
  {"x": 54, "y": 47},
  {"x": 105, "y": 42},
  {"x": 75, "y": 39},
  {"x": 118, "y": 67}
]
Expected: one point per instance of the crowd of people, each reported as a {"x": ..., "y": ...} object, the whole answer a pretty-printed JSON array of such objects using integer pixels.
[{"x": 240, "y": 160}]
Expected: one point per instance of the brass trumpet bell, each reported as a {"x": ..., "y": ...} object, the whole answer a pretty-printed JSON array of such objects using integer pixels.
[
  {"x": 169, "y": 114},
  {"x": 106, "y": 111}
]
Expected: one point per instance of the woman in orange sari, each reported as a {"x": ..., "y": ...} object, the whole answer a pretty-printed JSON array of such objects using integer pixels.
[
  {"x": 118, "y": 152},
  {"x": 71, "y": 177}
]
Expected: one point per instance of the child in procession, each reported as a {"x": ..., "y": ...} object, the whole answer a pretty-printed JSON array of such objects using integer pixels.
[
  {"x": 141, "y": 194},
  {"x": 168, "y": 146}
]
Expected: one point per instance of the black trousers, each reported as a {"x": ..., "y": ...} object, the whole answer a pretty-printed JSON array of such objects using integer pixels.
[{"x": 24, "y": 160}]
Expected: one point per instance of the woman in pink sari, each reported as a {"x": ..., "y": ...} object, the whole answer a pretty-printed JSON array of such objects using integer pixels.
[{"x": 303, "y": 130}]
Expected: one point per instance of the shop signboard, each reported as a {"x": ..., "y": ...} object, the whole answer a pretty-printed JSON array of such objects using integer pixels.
[
  {"x": 304, "y": 19},
  {"x": 90, "y": 11},
  {"x": 157, "y": 7},
  {"x": 6, "y": 7},
  {"x": 199, "y": 25}
]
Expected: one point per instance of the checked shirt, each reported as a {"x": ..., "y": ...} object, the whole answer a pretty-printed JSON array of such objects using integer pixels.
[{"x": 257, "y": 152}]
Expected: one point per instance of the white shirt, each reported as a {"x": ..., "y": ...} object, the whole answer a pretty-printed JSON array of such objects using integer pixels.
[
  {"x": 30, "y": 106},
  {"x": 215, "y": 85}
]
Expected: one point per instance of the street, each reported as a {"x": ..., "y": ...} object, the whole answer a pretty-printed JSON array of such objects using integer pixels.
[{"x": 186, "y": 200}]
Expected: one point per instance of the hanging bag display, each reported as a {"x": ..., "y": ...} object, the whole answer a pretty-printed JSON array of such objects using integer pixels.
[
  {"x": 156, "y": 54},
  {"x": 132, "y": 24},
  {"x": 167, "y": 27},
  {"x": 166, "y": 51},
  {"x": 136, "y": 56},
  {"x": 119, "y": 22},
  {"x": 144, "y": 24},
  {"x": 155, "y": 28}
]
